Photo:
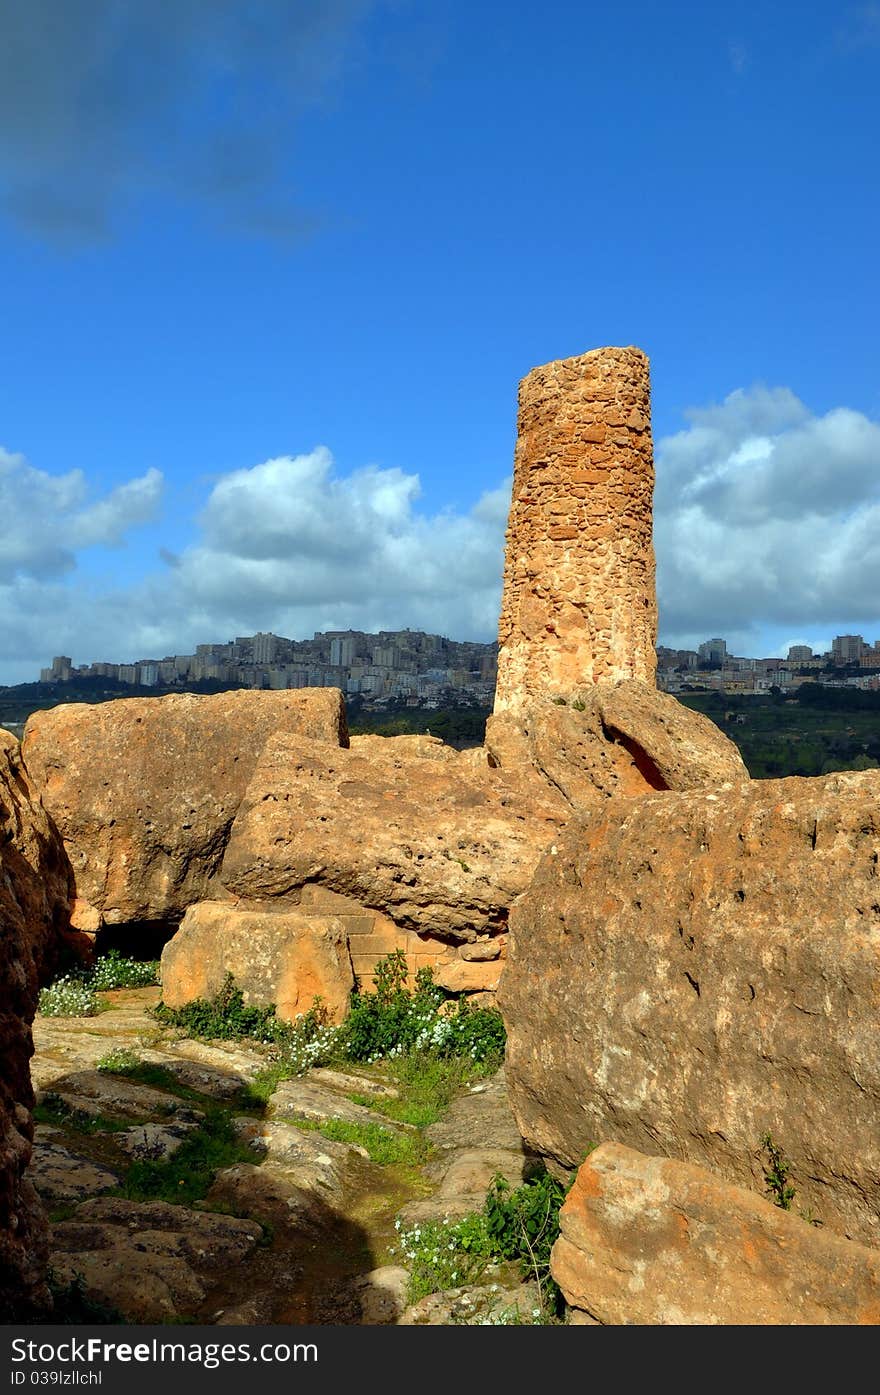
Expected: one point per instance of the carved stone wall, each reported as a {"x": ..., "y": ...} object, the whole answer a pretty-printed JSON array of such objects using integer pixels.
[{"x": 579, "y": 601}]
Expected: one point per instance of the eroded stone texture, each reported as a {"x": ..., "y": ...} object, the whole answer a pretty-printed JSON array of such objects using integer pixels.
[
  {"x": 276, "y": 957},
  {"x": 144, "y": 790},
  {"x": 435, "y": 842},
  {"x": 654, "y": 1240},
  {"x": 614, "y": 738},
  {"x": 692, "y": 970},
  {"x": 34, "y": 894},
  {"x": 579, "y": 603}
]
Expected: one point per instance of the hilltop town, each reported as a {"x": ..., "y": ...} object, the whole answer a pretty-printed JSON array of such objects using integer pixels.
[
  {"x": 397, "y": 665},
  {"x": 425, "y": 670}
]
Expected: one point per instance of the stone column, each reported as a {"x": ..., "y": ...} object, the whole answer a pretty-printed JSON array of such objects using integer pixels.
[{"x": 579, "y": 603}]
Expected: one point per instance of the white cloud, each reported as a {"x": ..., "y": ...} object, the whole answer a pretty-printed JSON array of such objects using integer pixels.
[
  {"x": 767, "y": 515},
  {"x": 290, "y": 545},
  {"x": 767, "y": 526},
  {"x": 47, "y": 518}
]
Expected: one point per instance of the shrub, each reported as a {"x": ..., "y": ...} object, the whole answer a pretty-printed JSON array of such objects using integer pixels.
[
  {"x": 777, "y": 1171},
  {"x": 74, "y": 994},
  {"x": 443, "y": 1254},
  {"x": 114, "y": 970},
  {"x": 516, "y": 1224},
  {"x": 390, "y": 1023},
  {"x": 523, "y": 1225},
  {"x": 393, "y": 1021},
  {"x": 225, "y": 1016},
  {"x": 68, "y": 996}
]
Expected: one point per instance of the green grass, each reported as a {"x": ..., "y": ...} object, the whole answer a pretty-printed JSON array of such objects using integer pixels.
[
  {"x": 517, "y": 1225},
  {"x": 130, "y": 1067},
  {"x": 52, "y": 1110},
  {"x": 387, "y": 1147},
  {"x": 186, "y": 1176},
  {"x": 428, "y": 1084}
]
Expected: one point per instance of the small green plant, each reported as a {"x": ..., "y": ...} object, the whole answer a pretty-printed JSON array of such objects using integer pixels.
[
  {"x": 523, "y": 1225},
  {"x": 393, "y": 1021},
  {"x": 443, "y": 1254},
  {"x": 777, "y": 1170},
  {"x": 186, "y": 1176},
  {"x": 114, "y": 970},
  {"x": 226, "y": 1016},
  {"x": 516, "y": 1224},
  {"x": 579, "y": 706},
  {"x": 53, "y": 1110},
  {"x": 386, "y": 1147},
  {"x": 68, "y": 996},
  {"x": 120, "y": 1061}
]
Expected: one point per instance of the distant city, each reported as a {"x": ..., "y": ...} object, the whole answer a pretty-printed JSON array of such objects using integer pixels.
[
  {"x": 850, "y": 662},
  {"x": 392, "y": 666},
  {"x": 425, "y": 670}
]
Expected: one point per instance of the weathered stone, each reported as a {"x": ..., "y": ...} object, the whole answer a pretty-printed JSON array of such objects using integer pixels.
[
  {"x": 305, "y": 1099},
  {"x": 614, "y": 738},
  {"x": 34, "y": 896},
  {"x": 481, "y": 950},
  {"x": 155, "y": 1142},
  {"x": 60, "y": 1175},
  {"x": 277, "y": 957},
  {"x": 461, "y": 976},
  {"x": 654, "y": 1240},
  {"x": 476, "y": 1305},
  {"x": 578, "y": 604},
  {"x": 150, "y": 1260},
  {"x": 144, "y": 790},
  {"x": 464, "y": 1178},
  {"x": 99, "y": 1094},
  {"x": 435, "y": 844},
  {"x": 689, "y": 972}
]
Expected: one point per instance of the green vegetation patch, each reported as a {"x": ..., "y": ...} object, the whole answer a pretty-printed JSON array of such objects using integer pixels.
[
  {"x": 394, "y": 1021},
  {"x": 518, "y": 1225},
  {"x": 224, "y": 1017},
  {"x": 387, "y": 1147},
  {"x": 186, "y": 1176},
  {"x": 814, "y": 732},
  {"x": 52, "y": 1110},
  {"x": 75, "y": 993}
]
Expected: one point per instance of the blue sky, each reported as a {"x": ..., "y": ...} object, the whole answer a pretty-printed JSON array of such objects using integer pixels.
[{"x": 271, "y": 274}]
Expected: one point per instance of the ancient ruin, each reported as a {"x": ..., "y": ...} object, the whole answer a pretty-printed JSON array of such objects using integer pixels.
[
  {"x": 579, "y": 605},
  {"x": 685, "y": 960}
]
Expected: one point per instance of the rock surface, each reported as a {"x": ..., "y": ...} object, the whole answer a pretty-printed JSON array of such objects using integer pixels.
[
  {"x": 578, "y": 604},
  {"x": 653, "y": 1240},
  {"x": 152, "y": 1260},
  {"x": 621, "y": 738},
  {"x": 691, "y": 971},
  {"x": 34, "y": 895},
  {"x": 277, "y": 957},
  {"x": 438, "y": 846},
  {"x": 144, "y": 790}
]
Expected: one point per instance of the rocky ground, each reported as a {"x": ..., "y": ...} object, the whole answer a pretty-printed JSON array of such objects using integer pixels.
[{"x": 183, "y": 1187}]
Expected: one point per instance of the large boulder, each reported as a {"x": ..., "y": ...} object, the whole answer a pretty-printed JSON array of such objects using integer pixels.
[
  {"x": 654, "y": 1240},
  {"x": 144, "y": 790},
  {"x": 439, "y": 842},
  {"x": 34, "y": 895},
  {"x": 623, "y": 737},
  {"x": 691, "y": 971},
  {"x": 277, "y": 956}
]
